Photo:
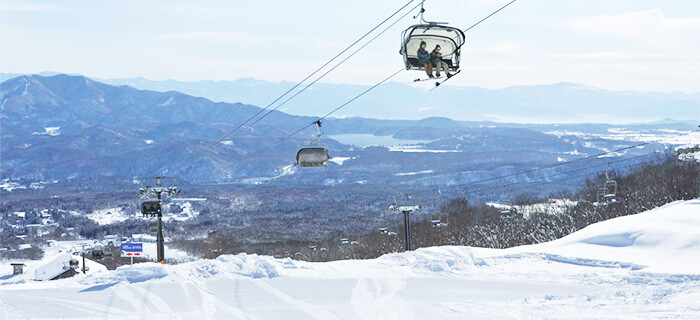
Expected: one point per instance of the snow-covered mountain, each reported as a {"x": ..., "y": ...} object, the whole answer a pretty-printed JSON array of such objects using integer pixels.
[
  {"x": 560, "y": 102},
  {"x": 632, "y": 267},
  {"x": 65, "y": 127}
]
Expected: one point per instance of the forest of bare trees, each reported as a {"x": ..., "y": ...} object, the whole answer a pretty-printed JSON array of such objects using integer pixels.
[{"x": 477, "y": 224}]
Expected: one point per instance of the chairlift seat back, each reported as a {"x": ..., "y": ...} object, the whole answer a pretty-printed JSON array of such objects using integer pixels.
[
  {"x": 312, "y": 156},
  {"x": 151, "y": 208}
]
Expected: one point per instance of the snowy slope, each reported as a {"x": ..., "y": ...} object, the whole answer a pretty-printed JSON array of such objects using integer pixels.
[
  {"x": 666, "y": 239},
  {"x": 642, "y": 266}
]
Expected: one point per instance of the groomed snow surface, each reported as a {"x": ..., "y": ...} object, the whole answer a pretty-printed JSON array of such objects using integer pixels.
[{"x": 645, "y": 266}]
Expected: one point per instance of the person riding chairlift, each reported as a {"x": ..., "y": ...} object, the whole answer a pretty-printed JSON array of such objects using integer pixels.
[
  {"x": 436, "y": 60},
  {"x": 424, "y": 57}
]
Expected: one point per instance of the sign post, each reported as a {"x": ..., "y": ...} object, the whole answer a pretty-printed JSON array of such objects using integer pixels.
[{"x": 131, "y": 250}]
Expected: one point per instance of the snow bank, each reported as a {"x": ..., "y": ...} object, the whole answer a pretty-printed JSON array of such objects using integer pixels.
[
  {"x": 225, "y": 266},
  {"x": 53, "y": 267},
  {"x": 665, "y": 239},
  {"x": 437, "y": 260}
]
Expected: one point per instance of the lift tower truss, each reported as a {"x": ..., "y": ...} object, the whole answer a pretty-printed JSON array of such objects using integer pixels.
[{"x": 154, "y": 187}]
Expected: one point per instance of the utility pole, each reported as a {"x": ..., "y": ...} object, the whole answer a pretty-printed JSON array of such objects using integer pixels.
[
  {"x": 406, "y": 210},
  {"x": 83, "y": 260},
  {"x": 154, "y": 208}
]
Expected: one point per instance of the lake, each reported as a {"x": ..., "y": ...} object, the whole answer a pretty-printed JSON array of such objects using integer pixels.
[{"x": 368, "y": 139}]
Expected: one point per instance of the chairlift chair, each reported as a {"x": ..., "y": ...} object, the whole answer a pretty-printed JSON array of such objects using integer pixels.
[
  {"x": 611, "y": 191},
  {"x": 506, "y": 214},
  {"x": 98, "y": 254},
  {"x": 151, "y": 208},
  {"x": 313, "y": 154},
  {"x": 608, "y": 192},
  {"x": 432, "y": 33},
  {"x": 437, "y": 221}
]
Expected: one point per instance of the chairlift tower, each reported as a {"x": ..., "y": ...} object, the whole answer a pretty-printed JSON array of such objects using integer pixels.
[
  {"x": 406, "y": 210},
  {"x": 154, "y": 208},
  {"x": 690, "y": 154}
]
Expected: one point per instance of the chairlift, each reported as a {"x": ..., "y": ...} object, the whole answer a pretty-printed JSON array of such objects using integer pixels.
[
  {"x": 313, "y": 154},
  {"x": 98, "y": 254},
  {"x": 153, "y": 227},
  {"x": 432, "y": 33},
  {"x": 151, "y": 208},
  {"x": 506, "y": 214},
  {"x": 688, "y": 153},
  {"x": 438, "y": 219},
  {"x": 608, "y": 192},
  {"x": 508, "y": 210}
]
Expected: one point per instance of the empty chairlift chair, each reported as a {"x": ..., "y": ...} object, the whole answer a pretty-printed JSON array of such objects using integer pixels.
[
  {"x": 608, "y": 192},
  {"x": 313, "y": 154}
]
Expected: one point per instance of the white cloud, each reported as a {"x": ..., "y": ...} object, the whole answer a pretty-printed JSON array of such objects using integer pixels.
[
  {"x": 213, "y": 36},
  {"x": 424, "y": 109},
  {"x": 505, "y": 47},
  {"x": 647, "y": 27},
  {"x": 29, "y": 7},
  {"x": 609, "y": 55}
]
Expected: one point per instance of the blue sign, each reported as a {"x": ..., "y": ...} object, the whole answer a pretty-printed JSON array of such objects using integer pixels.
[{"x": 132, "y": 249}]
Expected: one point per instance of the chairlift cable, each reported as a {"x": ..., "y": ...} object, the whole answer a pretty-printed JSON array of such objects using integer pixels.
[
  {"x": 319, "y": 119},
  {"x": 224, "y": 137},
  {"x": 317, "y": 70},
  {"x": 489, "y": 16},
  {"x": 330, "y": 70},
  {"x": 559, "y": 163},
  {"x": 537, "y": 180}
]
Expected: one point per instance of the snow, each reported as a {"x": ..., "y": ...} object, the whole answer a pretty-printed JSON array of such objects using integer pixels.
[
  {"x": 169, "y": 102},
  {"x": 633, "y": 267},
  {"x": 417, "y": 149},
  {"x": 339, "y": 160},
  {"x": 53, "y": 267},
  {"x": 623, "y": 134},
  {"x": 553, "y": 206},
  {"x": 666, "y": 239},
  {"x": 10, "y": 185},
  {"x": 109, "y": 216},
  {"x": 413, "y": 173},
  {"x": 284, "y": 171},
  {"x": 49, "y": 131},
  {"x": 114, "y": 215}
]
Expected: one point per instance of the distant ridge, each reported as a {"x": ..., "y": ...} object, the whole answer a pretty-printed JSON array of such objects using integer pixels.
[{"x": 549, "y": 103}]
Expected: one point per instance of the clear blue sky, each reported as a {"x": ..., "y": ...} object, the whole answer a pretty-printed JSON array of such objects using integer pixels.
[{"x": 646, "y": 45}]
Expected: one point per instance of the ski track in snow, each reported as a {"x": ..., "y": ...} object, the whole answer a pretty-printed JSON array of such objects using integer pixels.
[{"x": 599, "y": 272}]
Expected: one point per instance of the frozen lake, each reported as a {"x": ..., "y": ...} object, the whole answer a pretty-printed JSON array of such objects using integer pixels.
[{"x": 368, "y": 139}]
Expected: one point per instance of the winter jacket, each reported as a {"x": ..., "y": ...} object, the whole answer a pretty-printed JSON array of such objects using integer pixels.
[
  {"x": 434, "y": 57},
  {"x": 423, "y": 56}
]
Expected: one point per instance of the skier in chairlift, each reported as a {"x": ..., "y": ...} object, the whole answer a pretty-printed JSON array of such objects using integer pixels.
[
  {"x": 436, "y": 60},
  {"x": 424, "y": 57}
]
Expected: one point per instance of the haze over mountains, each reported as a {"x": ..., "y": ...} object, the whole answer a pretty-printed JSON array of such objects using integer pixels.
[
  {"x": 552, "y": 103},
  {"x": 561, "y": 102}
]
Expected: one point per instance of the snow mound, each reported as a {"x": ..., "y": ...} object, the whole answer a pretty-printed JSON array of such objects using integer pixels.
[
  {"x": 442, "y": 260},
  {"x": 665, "y": 239},
  {"x": 225, "y": 266},
  {"x": 251, "y": 266}
]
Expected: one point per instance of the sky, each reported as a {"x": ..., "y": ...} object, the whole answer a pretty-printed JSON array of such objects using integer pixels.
[{"x": 643, "y": 45}]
